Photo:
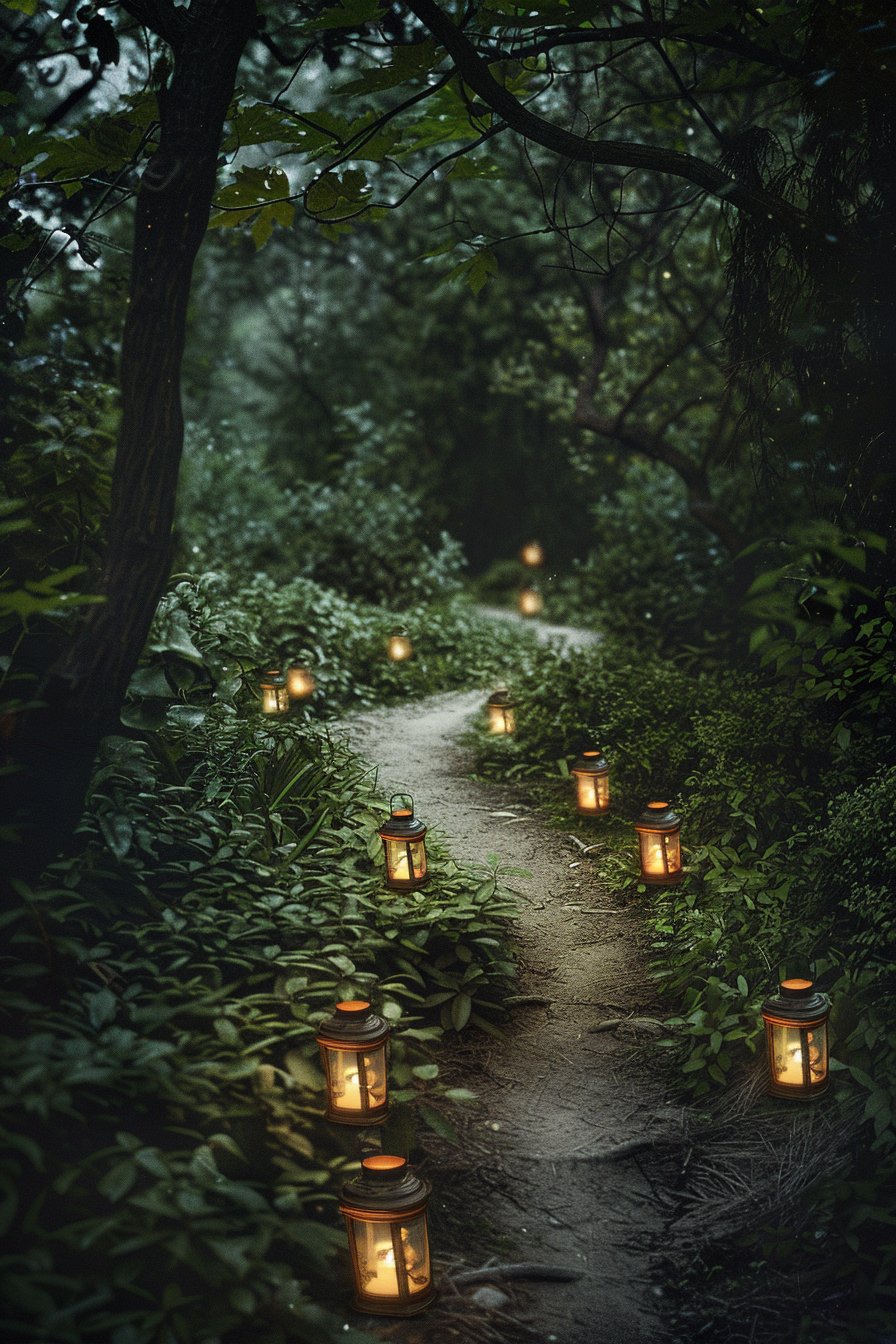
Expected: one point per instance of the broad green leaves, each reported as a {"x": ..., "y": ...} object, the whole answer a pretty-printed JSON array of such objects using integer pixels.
[{"x": 261, "y": 195}]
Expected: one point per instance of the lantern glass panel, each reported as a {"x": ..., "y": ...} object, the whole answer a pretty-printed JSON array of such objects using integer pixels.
[
  {"x": 270, "y": 700},
  {"x": 593, "y": 793},
  {"x": 357, "y": 1078},
  {"x": 799, "y": 1055},
  {"x": 389, "y": 1252},
  {"x": 397, "y": 860},
  {"x": 501, "y": 719}
]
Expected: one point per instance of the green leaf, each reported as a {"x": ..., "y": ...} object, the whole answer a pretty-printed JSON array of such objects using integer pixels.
[
  {"x": 118, "y": 1180},
  {"x": 426, "y": 1071},
  {"x": 461, "y": 1007},
  {"x": 438, "y": 1124}
]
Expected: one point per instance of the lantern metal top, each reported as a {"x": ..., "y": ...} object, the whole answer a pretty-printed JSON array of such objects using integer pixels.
[
  {"x": 658, "y": 817},
  {"x": 402, "y": 824},
  {"x": 501, "y": 697},
  {"x": 796, "y": 1002},
  {"x": 591, "y": 762},
  {"x": 353, "y": 1024},
  {"x": 385, "y": 1185}
]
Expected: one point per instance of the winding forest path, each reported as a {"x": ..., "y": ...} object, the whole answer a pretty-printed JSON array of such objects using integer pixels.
[{"x": 558, "y": 1096}]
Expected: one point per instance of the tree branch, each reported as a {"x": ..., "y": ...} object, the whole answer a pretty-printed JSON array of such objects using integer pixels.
[
  {"x": 640, "y": 439},
  {"x": 474, "y": 70}
]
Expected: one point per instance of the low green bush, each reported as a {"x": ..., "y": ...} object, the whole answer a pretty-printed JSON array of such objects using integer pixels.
[
  {"x": 790, "y": 846},
  {"x": 210, "y": 641},
  {"x": 168, "y": 1174},
  {"x": 356, "y": 534}
]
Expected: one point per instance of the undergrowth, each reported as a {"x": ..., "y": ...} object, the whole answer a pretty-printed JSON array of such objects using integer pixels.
[
  {"x": 168, "y": 1175},
  {"x": 787, "y": 790}
]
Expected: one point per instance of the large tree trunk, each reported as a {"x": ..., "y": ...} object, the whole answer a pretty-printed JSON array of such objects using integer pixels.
[{"x": 54, "y": 747}]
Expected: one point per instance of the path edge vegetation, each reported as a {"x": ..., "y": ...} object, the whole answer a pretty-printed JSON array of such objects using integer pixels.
[{"x": 787, "y": 792}]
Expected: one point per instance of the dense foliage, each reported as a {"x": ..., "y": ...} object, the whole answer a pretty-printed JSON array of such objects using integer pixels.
[
  {"x": 787, "y": 792},
  {"x": 168, "y": 1172}
]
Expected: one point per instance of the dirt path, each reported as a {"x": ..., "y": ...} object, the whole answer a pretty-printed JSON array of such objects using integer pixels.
[{"x": 558, "y": 1095}]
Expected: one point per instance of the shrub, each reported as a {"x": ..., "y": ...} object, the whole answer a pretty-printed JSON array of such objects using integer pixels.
[{"x": 168, "y": 1172}]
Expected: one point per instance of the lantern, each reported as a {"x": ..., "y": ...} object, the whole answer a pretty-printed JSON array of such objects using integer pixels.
[
  {"x": 532, "y": 554},
  {"x": 274, "y": 695},
  {"x": 529, "y": 602},
  {"x": 353, "y": 1052},
  {"x": 501, "y": 706},
  {"x": 299, "y": 682},
  {"x": 796, "y": 1024},
  {"x": 399, "y": 646},
  {"x": 592, "y": 775},
  {"x": 385, "y": 1215},
  {"x": 402, "y": 837},
  {"x": 658, "y": 832}
]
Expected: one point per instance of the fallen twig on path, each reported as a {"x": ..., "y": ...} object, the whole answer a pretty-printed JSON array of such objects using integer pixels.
[
  {"x": 611, "y": 1023},
  {"x": 515, "y": 1000},
  {"x": 525, "y": 1269}
]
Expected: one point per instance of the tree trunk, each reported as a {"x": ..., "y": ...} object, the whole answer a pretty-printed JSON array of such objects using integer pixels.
[{"x": 54, "y": 747}]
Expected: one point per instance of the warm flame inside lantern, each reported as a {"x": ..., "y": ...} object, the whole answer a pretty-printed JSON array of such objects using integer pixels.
[
  {"x": 402, "y": 837},
  {"x": 385, "y": 1214},
  {"x": 501, "y": 708},
  {"x": 532, "y": 554},
  {"x": 399, "y": 646},
  {"x": 274, "y": 695},
  {"x": 299, "y": 682},
  {"x": 659, "y": 832},
  {"x": 529, "y": 602},
  {"x": 592, "y": 776},
  {"x": 796, "y": 1024},
  {"x": 353, "y": 1052}
]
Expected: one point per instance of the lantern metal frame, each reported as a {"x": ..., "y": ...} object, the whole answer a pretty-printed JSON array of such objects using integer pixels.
[
  {"x": 592, "y": 767},
  {"x": 501, "y": 707},
  {"x": 802, "y": 1013},
  {"x": 387, "y": 1194},
  {"x": 299, "y": 681},
  {"x": 273, "y": 682},
  {"x": 355, "y": 1030},
  {"x": 403, "y": 829},
  {"x": 660, "y": 822}
]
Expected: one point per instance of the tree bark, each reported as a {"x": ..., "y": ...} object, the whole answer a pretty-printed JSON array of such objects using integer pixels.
[{"x": 54, "y": 747}]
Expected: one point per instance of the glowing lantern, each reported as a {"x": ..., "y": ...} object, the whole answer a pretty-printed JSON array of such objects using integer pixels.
[
  {"x": 592, "y": 776},
  {"x": 399, "y": 646},
  {"x": 659, "y": 835},
  {"x": 532, "y": 554},
  {"x": 385, "y": 1214},
  {"x": 299, "y": 682},
  {"x": 274, "y": 695},
  {"x": 402, "y": 837},
  {"x": 529, "y": 602},
  {"x": 796, "y": 1024},
  {"x": 501, "y": 706},
  {"x": 353, "y": 1052}
]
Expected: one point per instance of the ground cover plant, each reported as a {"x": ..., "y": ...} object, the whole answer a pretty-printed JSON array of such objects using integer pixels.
[
  {"x": 168, "y": 1175},
  {"x": 211, "y": 639},
  {"x": 787, "y": 790}
]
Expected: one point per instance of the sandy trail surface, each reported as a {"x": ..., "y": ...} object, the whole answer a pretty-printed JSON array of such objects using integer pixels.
[{"x": 557, "y": 1095}]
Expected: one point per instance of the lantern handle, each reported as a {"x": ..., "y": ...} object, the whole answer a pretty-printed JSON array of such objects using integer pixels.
[{"x": 401, "y": 795}]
